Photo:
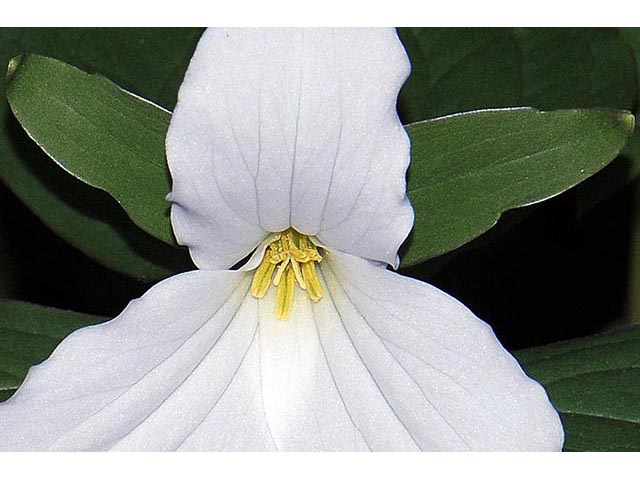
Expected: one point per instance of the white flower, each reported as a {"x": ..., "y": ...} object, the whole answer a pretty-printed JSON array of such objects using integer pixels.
[{"x": 286, "y": 143}]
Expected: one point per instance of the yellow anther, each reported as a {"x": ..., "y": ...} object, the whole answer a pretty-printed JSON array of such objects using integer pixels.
[{"x": 290, "y": 258}]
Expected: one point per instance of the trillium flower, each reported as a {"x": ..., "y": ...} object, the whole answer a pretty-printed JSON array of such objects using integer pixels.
[{"x": 285, "y": 146}]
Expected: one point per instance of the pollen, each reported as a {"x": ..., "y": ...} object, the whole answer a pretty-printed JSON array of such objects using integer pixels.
[{"x": 289, "y": 259}]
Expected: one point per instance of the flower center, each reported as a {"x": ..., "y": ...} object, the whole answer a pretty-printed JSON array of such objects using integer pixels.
[{"x": 290, "y": 258}]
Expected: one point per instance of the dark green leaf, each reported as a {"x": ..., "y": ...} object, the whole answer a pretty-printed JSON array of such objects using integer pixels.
[
  {"x": 150, "y": 62},
  {"x": 90, "y": 220},
  {"x": 461, "y": 69},
  {"x": 576, "y": 68},
  {"x": 467, "y": 169},
  {"x": 571, "y": 67},
  {"x": 458, "y": 69},
  {"x": 98, "y": 132},
  {"x": 28, "y": 334},
  {"x": 627, "y": 168},
  {"x": 632, "y": 150},
  {"x": 594, "y": 382},
  {"x": 623, "y": 171}
]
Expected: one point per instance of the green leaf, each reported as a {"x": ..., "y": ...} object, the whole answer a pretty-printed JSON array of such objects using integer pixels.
[
  {"x": 632, "y": 150},
  {"x": 573, "y": 67},
  {"x": 576, "y": 68},
  {"x": 455, "y": 69},
  {"x": 458, "y": 69},
  {"x": 90, "y": 220},
  {"x": 627, "y": 168},
  {"x": 623, "y": 171},
  {"x": 28, "y": 334},
  {"x": 98, "y": 132},
  {"x": 461, "y": 69},
  {"x": 468, "y": 169},
  {"x": 150, "y": 62},
  {"x": 594, "y": 383}
]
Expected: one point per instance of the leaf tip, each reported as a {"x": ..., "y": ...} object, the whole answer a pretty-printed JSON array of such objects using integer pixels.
[
  {"x": 628, "y": 119},
  {"x": 13, "y": 66}
]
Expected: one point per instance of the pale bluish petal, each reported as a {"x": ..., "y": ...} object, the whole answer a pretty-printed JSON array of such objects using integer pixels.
[
  {"x": 179, "y": 368},
  {"x": 404, "y": 349},
  {"x": 290, "y": 127}
]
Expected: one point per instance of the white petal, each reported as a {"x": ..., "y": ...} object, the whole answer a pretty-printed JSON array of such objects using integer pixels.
[
  {"x": 303, "y": 406},
  {"x": 381, "y": 363},
  {"x": 388, "y": 363},
  {"x": 290, "y": 127},
  {"x": 179, "y": 368},
  {"x": 402, "y": 348}
]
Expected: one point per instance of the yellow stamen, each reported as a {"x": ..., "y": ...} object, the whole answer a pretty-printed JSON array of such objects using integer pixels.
[
  {"x": 262, "y": 277},
  {"x": 310, "y": 275},
  {"x": 296, "y": 270},
  {"x": 281, "y": 269},
  {"x": 290, "y": 258},
  {"x": 284, "y": 295}
]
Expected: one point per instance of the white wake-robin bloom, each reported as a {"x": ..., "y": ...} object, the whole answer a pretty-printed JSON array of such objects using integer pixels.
[{"x": 286, "y": 143}]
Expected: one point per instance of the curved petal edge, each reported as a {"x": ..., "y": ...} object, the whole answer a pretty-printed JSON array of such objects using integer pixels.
[
  {"x": 438, "y": 368},
  {"x": 178, "y": 369}
]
